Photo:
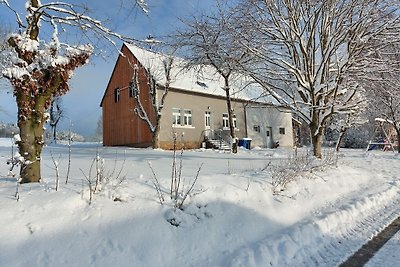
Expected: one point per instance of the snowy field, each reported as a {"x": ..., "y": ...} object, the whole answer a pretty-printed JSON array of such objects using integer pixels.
[{"x": 230, "y": 219}]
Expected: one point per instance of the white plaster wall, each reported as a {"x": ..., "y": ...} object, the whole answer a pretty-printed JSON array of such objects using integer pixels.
[{"x": 265, "y": 117}]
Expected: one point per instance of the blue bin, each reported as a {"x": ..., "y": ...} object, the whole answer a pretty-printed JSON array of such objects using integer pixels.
[{"x": 245, "y": 142}]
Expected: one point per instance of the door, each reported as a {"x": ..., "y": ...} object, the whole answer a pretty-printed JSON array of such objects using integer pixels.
[
  {"x": 268, "y": 137},
  {"x": 207, "y": 124}
]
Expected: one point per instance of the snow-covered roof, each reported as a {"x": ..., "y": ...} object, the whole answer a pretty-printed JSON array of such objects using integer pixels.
[{"x": 203, "y": 80}]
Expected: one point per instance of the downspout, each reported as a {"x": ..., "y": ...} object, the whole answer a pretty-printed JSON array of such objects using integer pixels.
[{"x": 245, "y": 118}]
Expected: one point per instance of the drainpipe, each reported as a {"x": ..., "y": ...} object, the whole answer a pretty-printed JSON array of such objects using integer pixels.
[{"x": 245, "y": 118}]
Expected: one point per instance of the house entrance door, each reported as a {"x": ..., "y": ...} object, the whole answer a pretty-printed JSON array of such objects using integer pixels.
[
  {"x": 207, "y": 124},
  {"x": 268, "y": 137}
]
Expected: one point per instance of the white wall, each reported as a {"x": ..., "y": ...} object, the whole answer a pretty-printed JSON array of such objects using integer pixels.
[{"x": 269, "y": 117}]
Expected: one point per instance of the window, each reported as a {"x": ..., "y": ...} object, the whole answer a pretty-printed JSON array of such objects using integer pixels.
[
  {"x": 182, "y": 117},
  {"x": 225, "y": 120},
  {"x": 256, "y": 128},
  {"x": 207, "y": 119},
  {"x": 282, "y": 130},
  {"x": 187, "y": 117},
  {"x": 176, "y": 116},
  {"x": 133, "y": 91},
  {"x": 117, "y": 93}
]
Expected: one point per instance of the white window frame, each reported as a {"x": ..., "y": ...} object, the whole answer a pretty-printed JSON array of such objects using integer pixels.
[
  {"x": 176, "y": 117},
  {"x": 225, "y": 121},
  {"x": 187, "y": 117}
]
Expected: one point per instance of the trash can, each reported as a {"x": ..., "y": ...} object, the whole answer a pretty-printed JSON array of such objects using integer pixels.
[{"x": 245, "y": 142}]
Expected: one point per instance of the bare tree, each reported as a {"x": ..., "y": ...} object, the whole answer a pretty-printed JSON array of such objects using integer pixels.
[
  {"x": 56, "y": 114},
  {"x": 384, "y": 90},
  {"x": 343, "y": 122},
  {"x": 208, "y": 41},
  {"x": 41, "y": 69},
  {"x": 306, "y": 50},
  {"x": 156, "y": 76}
]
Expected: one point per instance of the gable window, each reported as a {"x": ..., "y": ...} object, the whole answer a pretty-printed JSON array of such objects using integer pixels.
[
  {"x": 282, "y": 130},
  {"x": 117, "y": 95},
  {"x": 256, "y": 128},
  {"x": 187, "y": 117},
  {"x": 176, "y": 116},
  {"x": 225, "y": 120},
  {"x": 133, "y": 91}
]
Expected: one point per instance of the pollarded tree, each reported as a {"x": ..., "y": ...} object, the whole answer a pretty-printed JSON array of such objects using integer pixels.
[
  {"x": 307, "y": 49},
  {"x": 41, "y": 67}
]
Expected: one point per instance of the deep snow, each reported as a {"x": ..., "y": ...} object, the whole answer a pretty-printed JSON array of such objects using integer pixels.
[{"x": 231, "y": 219}]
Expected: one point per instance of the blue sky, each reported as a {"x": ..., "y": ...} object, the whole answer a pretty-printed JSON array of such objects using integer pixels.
[{"x": 87, "y": 86}]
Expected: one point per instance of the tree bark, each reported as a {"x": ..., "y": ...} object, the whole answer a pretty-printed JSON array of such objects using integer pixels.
[
  {"x": 30, "y": 146},
  {"x": 317, "y": 145},
  {"x": 340, "y": 138},
  {"x": 398, "y": 138},
  {"x": 156, "y": 139},
  {"x": 230, "y": 116},
  {"x": 317, "y": 133}
]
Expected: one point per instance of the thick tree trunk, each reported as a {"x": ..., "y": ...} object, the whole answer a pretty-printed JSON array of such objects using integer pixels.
[
  {"x": 30, "y": 123},
  {"x": 30, "y": 148},
  {"x": 317, "y": 145},
  {"x": 317, "y": 133}
]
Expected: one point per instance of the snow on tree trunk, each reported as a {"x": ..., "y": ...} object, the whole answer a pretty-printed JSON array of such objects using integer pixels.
[
  {"x": 157, "y": 105},
  {"x": 30, "y": 147}
]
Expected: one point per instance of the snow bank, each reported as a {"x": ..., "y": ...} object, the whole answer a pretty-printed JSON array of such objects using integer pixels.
[{"x": 231, "y": 219}]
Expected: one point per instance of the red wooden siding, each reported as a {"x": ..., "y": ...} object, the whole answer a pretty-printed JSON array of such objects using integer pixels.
[{"x": 121, "y": 126}]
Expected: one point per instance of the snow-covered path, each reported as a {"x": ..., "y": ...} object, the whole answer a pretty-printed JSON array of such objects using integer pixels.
[{"x": 232, "y": 219}]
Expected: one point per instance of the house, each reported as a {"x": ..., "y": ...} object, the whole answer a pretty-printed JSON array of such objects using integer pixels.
[{"x": 194, "y": 108}]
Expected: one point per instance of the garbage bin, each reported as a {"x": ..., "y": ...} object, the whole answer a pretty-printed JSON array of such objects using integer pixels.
[{"x": 245, "y": 142}]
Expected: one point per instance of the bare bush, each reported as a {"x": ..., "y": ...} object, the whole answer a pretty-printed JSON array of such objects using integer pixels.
[
  {"x": 298, "y": 165},
  {"x": 104, "y": 179},
  {"x": 178, "y": 194}
]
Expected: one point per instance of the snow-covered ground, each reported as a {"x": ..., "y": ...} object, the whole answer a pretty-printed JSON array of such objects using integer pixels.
[{"x": 231, "y": 218}]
